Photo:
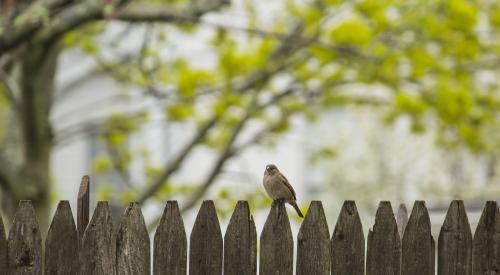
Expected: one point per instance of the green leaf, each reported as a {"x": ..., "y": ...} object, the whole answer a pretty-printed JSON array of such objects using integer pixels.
[
  {"x": 101, "y": 163},
  {"x": 353, "y": 31}
]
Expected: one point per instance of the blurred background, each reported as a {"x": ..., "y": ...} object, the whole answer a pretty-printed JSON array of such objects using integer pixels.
[{"x": 188, "y": 100}]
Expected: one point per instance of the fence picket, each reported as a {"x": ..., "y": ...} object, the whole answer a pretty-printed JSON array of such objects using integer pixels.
[
  {"x": 240, "y": 243},
  {"x": 313, "y": 242},
  {"x": 170, "y": 243},
  {"x": 24, "y": 247},
  {"x": 127, "y": 250},
  {"x": 384, "y": 244},
  {"x": 276, "y": 243},
  {"x": 96, "y": 254},
  {"x": 417, "y": 256},
  {"x": 205, "y": 248},
  {"x": 348, "y": 242},
  {"x": 3, "y": 248},
  {"x": 61, "y": 245},
  {"x": 455, "y": 242},
  {"x": 82, "y": 210},
  {"x": 132, "y": 243},
  {"x": 486, "y": 243}
]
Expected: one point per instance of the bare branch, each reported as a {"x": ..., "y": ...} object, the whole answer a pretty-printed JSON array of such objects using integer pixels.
[
  {"x": 144, "y": 12},
  {"x": 86, "y": 11},
  {"x": 171, "y": 167},
  {"x": 226, "y": 154}
]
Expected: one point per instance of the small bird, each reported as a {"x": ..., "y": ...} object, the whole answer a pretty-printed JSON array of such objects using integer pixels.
[{"x": 278, "y": 187}]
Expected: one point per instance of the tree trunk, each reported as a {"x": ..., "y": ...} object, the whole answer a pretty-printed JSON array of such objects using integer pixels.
[{"x": 38, "y": 67}]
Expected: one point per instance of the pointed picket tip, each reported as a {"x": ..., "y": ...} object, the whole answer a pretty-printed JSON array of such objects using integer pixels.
[
  {"x": 315, "y": 214},
  {"x": 348, "y": 242},
  {"x": 240, "y": 242},
  {"x": 132, "y": 243},
  {"x": 313, "y": 242},
  {"x": 97, "y": 251},
  {"x": 485, "y": 252},
  {"x": 417, "y": 248},
  {"x": 384, "y": 244},
  {"x": 276, "y": 242},
  {"x": 170, "y": 242},
  {"x": 61, "y": 244},
  {"x": 205, "y": 253},
  {"x": 24, "y": 252},
  {"x": 402, "y": 219},
  {"x": 3, "y": 246}
]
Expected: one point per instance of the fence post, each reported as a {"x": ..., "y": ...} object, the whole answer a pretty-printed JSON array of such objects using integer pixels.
[
  {"x": 205, "y": 248},
  {"x": 82, "y": 209},
  {"x": 170, "y": 243},
  {"x": 417, "y": 256},
  {"x": 240, "y": 243},
  {"x": 276, "y": 243},
  {"x": 24, "y": 248},
  {"x": 348, "y": 242},
  {"x": 455, "y": 242},
  {"x": 384, "y": 244},
  {"x": 96, "y": 254},
  {"x": 486, "y": 243},
  {"x": 3, "y": 246},
  {"x": 132, "y": 243},
  {"x": 313, "y": 243},
  {"x": 61, "y": 245}
]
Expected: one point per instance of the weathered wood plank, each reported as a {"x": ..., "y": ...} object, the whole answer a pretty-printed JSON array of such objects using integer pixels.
[
  {"x": 348, "y": 242},
  {"x": 240, "y": 243},
  {"x": 96, "y": 253},
  {"x": 24, "y": 248},
  {"x": 205, "y": 248},
  {"x": 3, "y": 248},
  {"x": 132, "y": 243},
  {"x": 455, "y": 242},
  {"x": 313, "y": 243},
  {"x": 417, "y": 257},
  {"x": 61, "y": 245},
  {"x": 402, "y": 219},
  {"x": 83, "y": 210},
  {"x": 276, "y": 243},
  {"x": 384, "y": 244},
  {"x": 486, "y": 243},
  {"x": 170, "y": 243}
]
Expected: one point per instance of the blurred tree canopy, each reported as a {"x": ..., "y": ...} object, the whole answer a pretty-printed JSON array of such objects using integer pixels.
[{"x": 432, "y": 61}]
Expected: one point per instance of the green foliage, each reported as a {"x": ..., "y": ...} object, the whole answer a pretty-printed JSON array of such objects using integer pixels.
[{"x": 427, "y": 58}]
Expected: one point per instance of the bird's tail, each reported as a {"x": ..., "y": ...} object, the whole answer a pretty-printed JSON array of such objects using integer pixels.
[{"x": 294, "y": 204}]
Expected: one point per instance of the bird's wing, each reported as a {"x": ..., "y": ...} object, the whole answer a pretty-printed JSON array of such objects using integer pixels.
[{"x": 287, "y": 184}]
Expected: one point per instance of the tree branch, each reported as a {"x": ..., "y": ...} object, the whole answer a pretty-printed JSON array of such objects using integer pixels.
[
  {"x": 172, "y": 166},
  {"x": 86, "y": 11},
  {"x": 145, "y": 12},
  {"x": 226, "y": 154}
]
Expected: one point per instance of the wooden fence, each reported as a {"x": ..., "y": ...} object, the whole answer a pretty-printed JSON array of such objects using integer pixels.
[{"x": 103, "y": 249}]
